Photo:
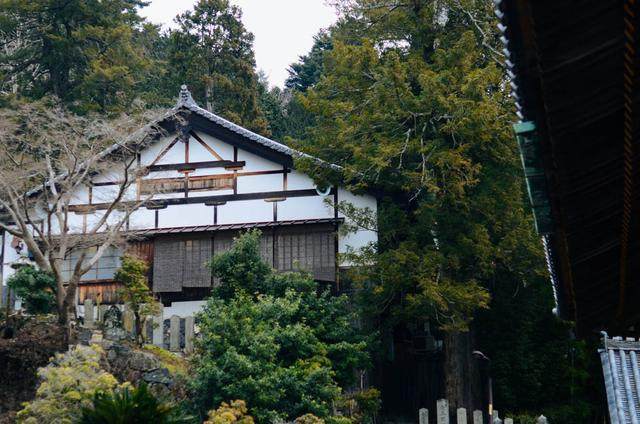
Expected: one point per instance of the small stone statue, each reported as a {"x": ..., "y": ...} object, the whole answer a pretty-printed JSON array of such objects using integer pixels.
[{"x": 112, "y": 325}]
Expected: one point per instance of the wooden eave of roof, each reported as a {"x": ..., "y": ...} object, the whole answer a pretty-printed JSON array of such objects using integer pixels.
[{"x": 568, "y": 60}]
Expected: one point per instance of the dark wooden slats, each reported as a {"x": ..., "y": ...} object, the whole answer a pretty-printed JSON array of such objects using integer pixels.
[
  {"x": 197, "y": 257},
  {"x": 168, "y": 265},
  {"x": 182, "y": 262}
]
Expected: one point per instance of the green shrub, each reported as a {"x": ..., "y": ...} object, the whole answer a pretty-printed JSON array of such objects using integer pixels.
[
  {"x": 281, "y": 342},
  {"x": 135, "y": 292},
  {"x": 129, "y": 405},
  {"x": 36, "y": 288},
  {"x": 68, "y": 384}
]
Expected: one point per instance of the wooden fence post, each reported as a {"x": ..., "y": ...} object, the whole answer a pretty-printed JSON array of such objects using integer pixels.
[
  {"x": 442, "y": 411},
  {"x": 189, "y": 323},
  {"x": 477, "y": 417},
  {"x": 423, "y": 415},
  {"x": 461, "y": 416},
  {"x": 88, "y": 313},
  {"x": 174, "y": 333}
]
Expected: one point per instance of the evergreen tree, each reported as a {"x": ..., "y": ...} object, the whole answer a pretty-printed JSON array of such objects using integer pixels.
[
  {"x": 280, "y": 341},
  {"x": 307, "y": 71},
  {"x": 273, "y": 102},
  {"x": 212, "y": 52},
  {"x": 79, "y": 50},
  {"x": 413, "y": 105}
]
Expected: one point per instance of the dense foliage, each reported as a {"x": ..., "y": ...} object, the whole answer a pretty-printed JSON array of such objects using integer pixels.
[
  {"x": 279, "y": 341},
  {"x": 412, "y": 101},
  {"x": 129, "y": 405},
  {"x": 36, "y": 288},
  {"x": 67, "y": 385},
  {"x": 135, "y": 292},
  {"x": 416, "y": 109},
  {"x": 81, "y": 51}
]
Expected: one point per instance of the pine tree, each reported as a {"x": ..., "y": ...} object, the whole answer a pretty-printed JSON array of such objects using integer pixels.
[{"x": 212, "y": 52}]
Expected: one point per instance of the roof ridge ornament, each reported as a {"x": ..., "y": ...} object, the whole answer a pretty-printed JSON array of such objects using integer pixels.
[{"x": 185, "y": 98}]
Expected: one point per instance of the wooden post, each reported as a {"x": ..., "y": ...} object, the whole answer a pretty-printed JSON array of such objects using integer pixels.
[
  {"x": 477, "y": 417},
  {"x": 423, "y": 415},
  {"x": 189, "y": 323},
  {"x": 442, "y": 411},
  {"x": 174, "y": 333},
  {"x": 461, "y": 416},
  {"x": 158, "y": 328},
  {"x": 88, "y": 313}
]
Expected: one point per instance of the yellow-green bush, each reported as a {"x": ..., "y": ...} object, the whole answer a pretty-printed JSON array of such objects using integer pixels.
[
  {"x": 308, "y": 419},
  {"x": 234, "y": 413},
  {"x": 68, "y": 383}
]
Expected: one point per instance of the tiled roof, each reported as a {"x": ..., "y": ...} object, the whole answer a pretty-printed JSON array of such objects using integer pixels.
[
  {"x": 621, "y": 369},
  {"x": 226, "y": 227},
  {"x": 186, "y": 100}
]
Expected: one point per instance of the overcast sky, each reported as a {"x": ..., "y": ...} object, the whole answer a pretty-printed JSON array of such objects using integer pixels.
[{"x": 283, "y": 29}]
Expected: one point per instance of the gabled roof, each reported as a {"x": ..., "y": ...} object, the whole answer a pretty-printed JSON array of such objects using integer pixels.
[
  {"x": 185, "y": 100},
  {"x": 621, "y": 370}
]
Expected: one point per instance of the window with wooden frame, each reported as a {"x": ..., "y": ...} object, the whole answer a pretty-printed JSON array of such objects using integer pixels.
[{"x": 103, "y": 270}]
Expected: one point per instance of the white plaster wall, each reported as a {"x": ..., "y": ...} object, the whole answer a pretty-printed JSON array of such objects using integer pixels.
[
  {"x": 185, "y": 215},
  {"x": 245, "y": 211},
  {"x": 225, "y": 150},
  {"x": 256, "y": 163},
  {"x": 259, "y": 183},
  {"x": 299, "y": 181},
  {"x": 304, "y": 208},
  {"x": 150, "y": 153},
  {"x": 142, "y": 219},
  {"x": 183, "y": 309}
]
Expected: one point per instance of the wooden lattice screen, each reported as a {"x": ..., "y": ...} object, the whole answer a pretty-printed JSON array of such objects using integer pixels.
[{"x": 181, "y": 261}]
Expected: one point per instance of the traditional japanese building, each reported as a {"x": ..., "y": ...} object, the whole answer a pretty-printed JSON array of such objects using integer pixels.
[
  {"x": 573, "y": 69},
  {"x": 211, "y": 179}
]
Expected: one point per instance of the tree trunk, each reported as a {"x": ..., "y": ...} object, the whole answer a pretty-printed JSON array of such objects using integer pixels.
[
  {"x": 209, "y": 95},
  {"x": 66, "y": 300},
  {"x": 463, "y": 385}
]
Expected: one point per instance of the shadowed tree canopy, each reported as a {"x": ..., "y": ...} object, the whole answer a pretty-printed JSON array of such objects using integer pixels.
[{"x": 80, "y": 51}]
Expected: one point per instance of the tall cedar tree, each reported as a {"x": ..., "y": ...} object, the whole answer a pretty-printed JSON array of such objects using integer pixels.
[
  {"x": 414, "y": 105},
  {"x": 212, "y": 51},
  {"x": 78, "y": 50}
]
